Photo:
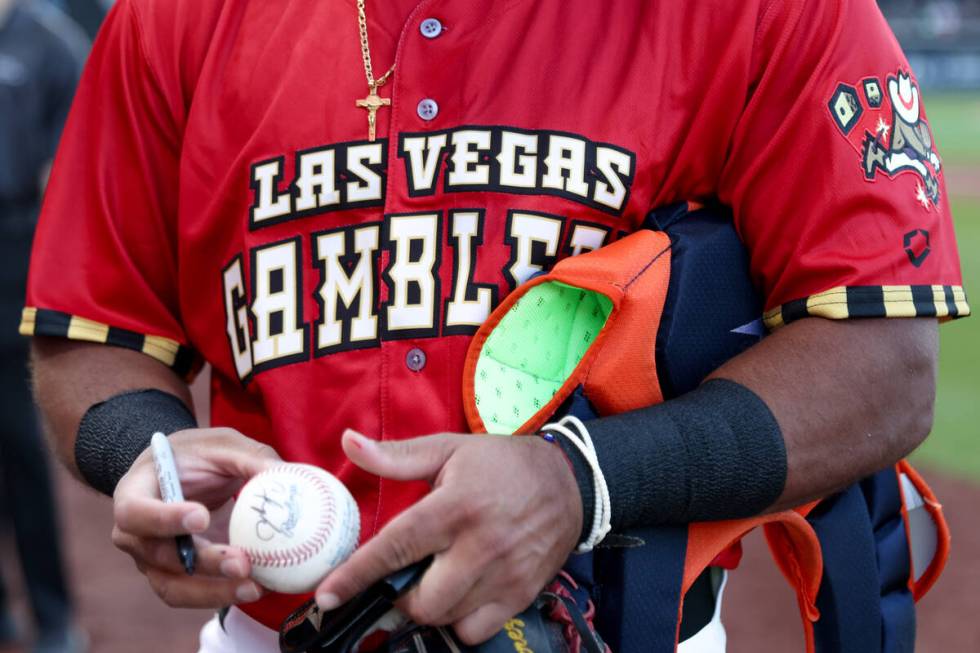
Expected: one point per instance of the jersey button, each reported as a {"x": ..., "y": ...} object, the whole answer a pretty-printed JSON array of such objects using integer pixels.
[
  {"x": 415, "y": 359},
  {"x": 428, "y": 109},
  {"x": 430, "y": 28}
]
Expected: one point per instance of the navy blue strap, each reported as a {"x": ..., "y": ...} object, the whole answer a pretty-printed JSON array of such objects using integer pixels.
[
  {"x": 638, "y": 591},
  {"x": 864, "y": 601}
]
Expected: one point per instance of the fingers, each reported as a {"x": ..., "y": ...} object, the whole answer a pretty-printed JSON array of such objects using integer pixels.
[
  {"x": 145, "y": 517},
  {"x": 446, "y": 595},
  {"x": 438, "y": 598},
  {"x": 414, "y": 534},
  {"x": 221, "y": 578},
  {"x": 219, "y": 560},
  {"x": 403, "y": 460},
  {"x": 209, "y": 461},
  {"x": 484, "y": 623},
  {"x": 182, "y": 591},
  {"x": 222, "y": 450},
  {"x": 139, "y": 510},
  {"x": 212, "y": 464},
  {"x": 248, "y": 460}
]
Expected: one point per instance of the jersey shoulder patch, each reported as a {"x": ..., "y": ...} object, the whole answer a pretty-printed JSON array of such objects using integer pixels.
[{"x": 884, "y": 120}]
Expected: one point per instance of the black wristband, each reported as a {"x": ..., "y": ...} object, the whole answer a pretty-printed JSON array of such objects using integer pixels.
[
  {"x": 114, "y": 432},
  {"x": 714, "y": 453},
  {"x": 586, "y": 484}
]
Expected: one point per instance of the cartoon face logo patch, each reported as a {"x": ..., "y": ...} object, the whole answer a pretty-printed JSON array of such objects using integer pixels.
[{"x": 885, "y": 123}]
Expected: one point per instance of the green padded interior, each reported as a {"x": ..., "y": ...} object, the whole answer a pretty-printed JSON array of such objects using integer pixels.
[{"x": 533, "y": 350}]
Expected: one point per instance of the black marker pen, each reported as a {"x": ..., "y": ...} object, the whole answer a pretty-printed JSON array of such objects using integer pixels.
[{"x": 170, "y": 492}]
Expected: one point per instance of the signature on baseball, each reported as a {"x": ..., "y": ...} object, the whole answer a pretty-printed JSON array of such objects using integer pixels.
[{"x": 278, "y": 511}]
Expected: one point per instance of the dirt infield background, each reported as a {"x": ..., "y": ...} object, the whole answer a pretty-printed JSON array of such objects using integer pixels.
[
  {"x": 962, "y": 181},
  {"x": 121, "y": 614}
]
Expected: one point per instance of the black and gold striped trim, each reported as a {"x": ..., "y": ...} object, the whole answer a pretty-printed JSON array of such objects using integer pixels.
[
  {"x": 844, "y": 302},
  {"x": 45, "y": 322}
]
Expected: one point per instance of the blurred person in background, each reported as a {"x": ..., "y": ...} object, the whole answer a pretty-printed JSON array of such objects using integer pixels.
[
  {"x": 87, "y": 13},
  {"x": 41, "y": 54}
]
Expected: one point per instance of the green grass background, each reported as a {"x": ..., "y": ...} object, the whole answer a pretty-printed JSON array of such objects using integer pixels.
[{"x": 954, "y": 445}]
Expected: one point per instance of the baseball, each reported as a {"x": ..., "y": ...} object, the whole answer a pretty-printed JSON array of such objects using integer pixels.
[{"x": 295, "y": 523}]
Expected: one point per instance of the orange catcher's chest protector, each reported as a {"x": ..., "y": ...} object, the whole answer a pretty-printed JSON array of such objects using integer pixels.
[{"x": 645, "y": 319}]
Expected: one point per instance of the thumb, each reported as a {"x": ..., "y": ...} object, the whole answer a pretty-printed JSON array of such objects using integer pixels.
[{"x": 401, "y": 460}]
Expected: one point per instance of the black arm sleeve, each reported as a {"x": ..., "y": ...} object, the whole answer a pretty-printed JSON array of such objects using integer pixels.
[
  {"x": 114, "y": 432},
  {"x": 714, "y": 453}
]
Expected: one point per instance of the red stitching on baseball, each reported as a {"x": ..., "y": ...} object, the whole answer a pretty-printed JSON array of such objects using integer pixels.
[{"x": 302, "y": 552}]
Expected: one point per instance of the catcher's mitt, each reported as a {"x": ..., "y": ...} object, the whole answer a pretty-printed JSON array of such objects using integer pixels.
[{"x": 559, "y": 621}]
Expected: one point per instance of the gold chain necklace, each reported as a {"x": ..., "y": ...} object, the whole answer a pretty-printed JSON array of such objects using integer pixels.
[{"x": 373, "y": 101}]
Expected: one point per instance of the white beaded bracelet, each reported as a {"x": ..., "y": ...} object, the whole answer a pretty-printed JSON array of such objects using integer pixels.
[{"x": 574, "y": 430}]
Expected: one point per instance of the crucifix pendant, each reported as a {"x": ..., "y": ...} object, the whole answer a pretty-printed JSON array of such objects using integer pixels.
[{"x": 372, "y": 103}]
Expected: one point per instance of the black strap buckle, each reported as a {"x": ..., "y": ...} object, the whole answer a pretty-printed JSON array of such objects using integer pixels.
[{"x": 307, "y": 630}]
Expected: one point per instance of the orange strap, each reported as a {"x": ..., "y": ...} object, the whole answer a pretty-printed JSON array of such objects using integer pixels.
[
  {"x": 920, "y": 587},
  {"x": 791, "y": 539}
]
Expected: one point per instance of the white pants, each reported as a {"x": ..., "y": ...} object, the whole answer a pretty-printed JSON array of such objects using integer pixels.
[
  {"x": 711, "y": 638},
  {"x": 242, "y": 634}
]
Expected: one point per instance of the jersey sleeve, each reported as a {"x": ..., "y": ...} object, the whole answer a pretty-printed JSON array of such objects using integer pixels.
[
  {"x": 104, "y": 261},
  {"x": 833, "y": 173}
]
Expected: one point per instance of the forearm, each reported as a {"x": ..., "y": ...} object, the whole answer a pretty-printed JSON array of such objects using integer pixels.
[
  {"x": 851, "y": 397},
  {"x": 69, "y": 377},
  {"x": 810, "y": 410}
]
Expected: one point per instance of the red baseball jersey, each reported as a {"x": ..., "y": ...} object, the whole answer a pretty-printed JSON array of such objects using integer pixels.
[{"x": 216, "y": 196}]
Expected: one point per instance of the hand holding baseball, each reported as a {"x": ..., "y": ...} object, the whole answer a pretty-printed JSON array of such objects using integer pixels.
[
  {"x": 295, "y": 523},
  {"x": 213, "y": 464},
  {"x": 503, "y": 516}
]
